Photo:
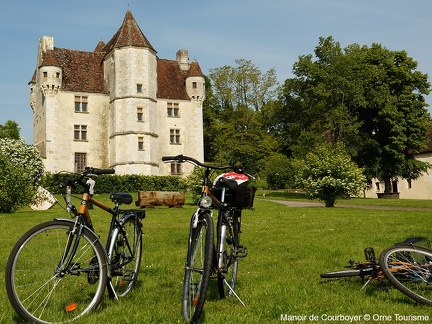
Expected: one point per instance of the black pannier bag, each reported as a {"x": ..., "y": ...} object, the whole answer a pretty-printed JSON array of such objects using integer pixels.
[{"x": 239, "y": 193}]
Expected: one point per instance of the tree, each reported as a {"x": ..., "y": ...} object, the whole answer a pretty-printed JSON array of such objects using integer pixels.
[
  {"x": 10, "y": 130},
  {"x": 369, "y": 98},
  {"x": 22, "y": 169},
  {"x": 234, "y": 111},
  {"x": 278, "y": 171},
  {"x": 243, "y": 86},
  {"x": 328, "y": 173}
]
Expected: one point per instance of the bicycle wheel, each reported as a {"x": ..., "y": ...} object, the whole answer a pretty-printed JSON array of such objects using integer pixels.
[
  {"x": 125, "y": 255},
  {"x": 197, "y": 268},
  {"x": 347, "y": 273},
  {"x": 41, "y": 287},
  {"x": 227, "y": 279},
  {"x": 409, "y": 269}
]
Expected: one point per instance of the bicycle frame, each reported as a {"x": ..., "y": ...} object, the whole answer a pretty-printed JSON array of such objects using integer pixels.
[{"x": 84, "y": 219}]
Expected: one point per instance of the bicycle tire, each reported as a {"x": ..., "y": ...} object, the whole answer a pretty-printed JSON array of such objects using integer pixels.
[
  {"x": 346, "y": 273},
  {"x": 125, "y": 255},
  {"x": 38, "y": 291},
  {"x": 409, "y": 269},
  {"x": 197, "y": 268},
  {"x": 230, "y": 261}
]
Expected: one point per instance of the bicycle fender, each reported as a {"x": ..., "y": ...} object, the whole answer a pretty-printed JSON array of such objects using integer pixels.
[
  {"x": 195, "y": 216},
  {"x": 73, "y": 222}
]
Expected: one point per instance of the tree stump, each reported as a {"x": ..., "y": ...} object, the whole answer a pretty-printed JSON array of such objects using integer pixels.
[{"x": 160, "y": 198}]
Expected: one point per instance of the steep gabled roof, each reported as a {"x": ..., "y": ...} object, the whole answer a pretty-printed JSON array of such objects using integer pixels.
[
  {"x": 129, "y": 34},
  {"x": 171, "y": 83}
]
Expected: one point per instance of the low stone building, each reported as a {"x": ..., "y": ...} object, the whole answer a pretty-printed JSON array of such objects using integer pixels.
[{"x": 120, "y": 106}]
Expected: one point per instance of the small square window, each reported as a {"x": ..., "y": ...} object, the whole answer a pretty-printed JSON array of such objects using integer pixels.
[
  {"x": 139, "y": 87},
  {"x": 194, "y": 85}
]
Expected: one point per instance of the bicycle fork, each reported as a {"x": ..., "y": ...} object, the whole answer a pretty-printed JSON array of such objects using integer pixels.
[
  {"x": 220, "y": 256},
  {"x": 71, "y": 247}
]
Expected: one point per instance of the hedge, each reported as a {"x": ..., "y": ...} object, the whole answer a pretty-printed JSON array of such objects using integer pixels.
[{"x": 117, "y": 183}]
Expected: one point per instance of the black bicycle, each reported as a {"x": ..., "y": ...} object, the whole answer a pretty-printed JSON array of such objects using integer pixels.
[
  {"x": 230, "y": 193},
  {"x": 58, "y": 270},
  {"x": 408, "y": 266}
]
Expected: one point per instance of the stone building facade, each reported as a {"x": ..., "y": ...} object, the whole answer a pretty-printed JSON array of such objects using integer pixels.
[{"x": 120, "y": 106}]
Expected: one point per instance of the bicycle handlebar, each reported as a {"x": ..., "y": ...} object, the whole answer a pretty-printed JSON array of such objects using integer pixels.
[
  {"x": 96, "y": 171},
  {"x": 183, "y": 158},
  {"x": 89, "y": 171}
]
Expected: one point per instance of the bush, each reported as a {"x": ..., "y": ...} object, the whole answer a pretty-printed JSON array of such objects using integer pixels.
[
  {"x": 117, "y": 183},
  {"x": 22, "y": 169},
  {"x": 328, "y": 174},
  {"x": 278, "y": 172}
]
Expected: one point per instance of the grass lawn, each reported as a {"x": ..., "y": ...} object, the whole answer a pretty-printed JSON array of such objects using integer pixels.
[{"x": 288, "y": 248}]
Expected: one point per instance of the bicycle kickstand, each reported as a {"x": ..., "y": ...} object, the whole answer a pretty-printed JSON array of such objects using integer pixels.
[
  {"x": 366, "y": 283},
  {"x": 232, "y": 290}
]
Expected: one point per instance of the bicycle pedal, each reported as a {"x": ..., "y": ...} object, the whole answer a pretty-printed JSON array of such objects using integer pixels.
[
  {"x": 129, "y": 277},
  {"x": 240, "y": 251},
  {"x": 369, "y": 254}
]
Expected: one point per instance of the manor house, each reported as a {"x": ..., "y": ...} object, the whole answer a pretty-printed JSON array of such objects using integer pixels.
[{"x": 120, "y": 106}]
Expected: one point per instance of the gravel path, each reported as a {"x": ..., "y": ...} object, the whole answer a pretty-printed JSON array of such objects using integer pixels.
[{"x": 293, "y": 203}]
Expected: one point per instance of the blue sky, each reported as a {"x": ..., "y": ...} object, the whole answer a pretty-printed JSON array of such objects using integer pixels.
[{"x": 271, "y": 33}]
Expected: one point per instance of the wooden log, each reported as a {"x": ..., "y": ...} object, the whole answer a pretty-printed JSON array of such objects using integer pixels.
[{"x": 160, "y": 198}]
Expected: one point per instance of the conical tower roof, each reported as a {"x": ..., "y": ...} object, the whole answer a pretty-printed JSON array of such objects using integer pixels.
[{"x": 129, "y": 34}]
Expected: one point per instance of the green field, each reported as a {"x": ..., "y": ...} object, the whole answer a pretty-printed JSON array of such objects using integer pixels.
[{"x": 288, "y": 248}]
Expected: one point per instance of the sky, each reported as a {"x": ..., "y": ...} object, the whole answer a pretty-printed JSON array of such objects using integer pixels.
[{"x": 269, "y": 33}]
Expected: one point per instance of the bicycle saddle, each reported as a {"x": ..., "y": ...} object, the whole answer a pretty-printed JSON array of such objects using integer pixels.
[{"x": 122, "y": 197}]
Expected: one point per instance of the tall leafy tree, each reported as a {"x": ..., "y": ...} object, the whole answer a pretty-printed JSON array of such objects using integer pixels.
[
  {"x": 234, "y": 111},
  {"x": 10, "y": 130},
  {"x": 369, "y": 98}
]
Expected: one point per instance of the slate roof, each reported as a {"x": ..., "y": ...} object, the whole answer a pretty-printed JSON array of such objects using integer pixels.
[{"x": 83, "y": 71}]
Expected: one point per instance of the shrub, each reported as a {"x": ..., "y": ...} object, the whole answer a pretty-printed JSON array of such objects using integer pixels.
[
  {"x": 20, "y": 175},
  {"x": 118, "y": 183},
  {"x": 328, "y": 174},
  {"x": 278, "y": 172}
]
